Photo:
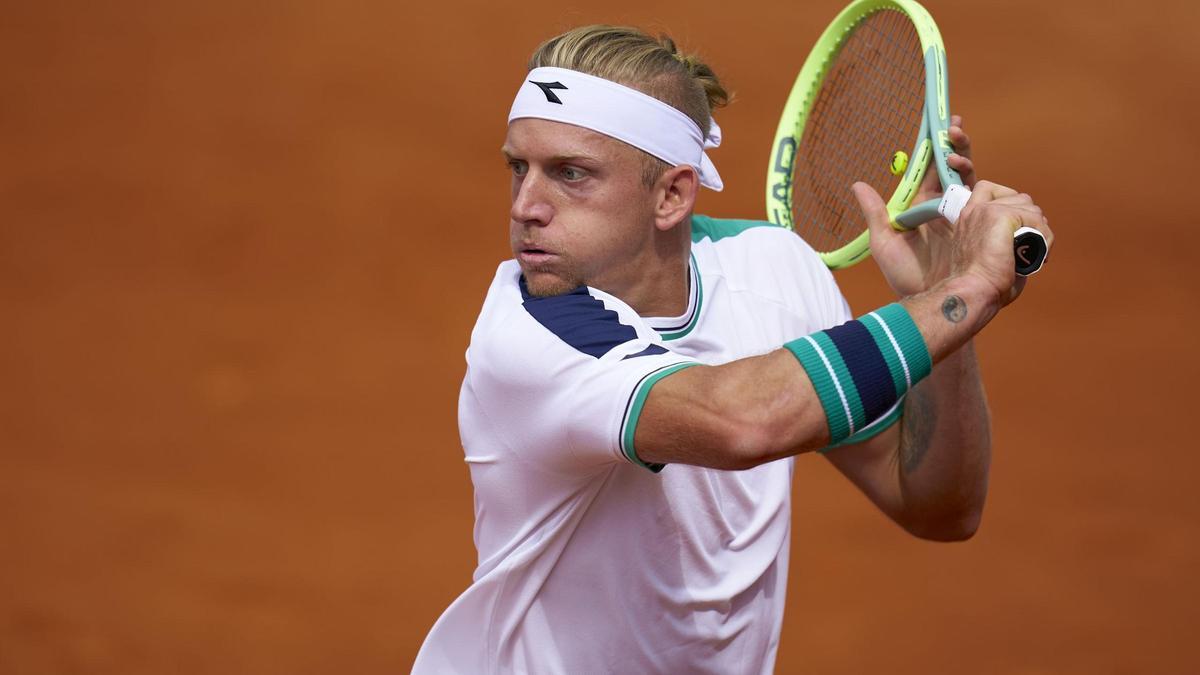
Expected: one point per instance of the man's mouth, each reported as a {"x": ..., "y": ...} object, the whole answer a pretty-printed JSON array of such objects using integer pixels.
[{"x": 534, "y": 255}]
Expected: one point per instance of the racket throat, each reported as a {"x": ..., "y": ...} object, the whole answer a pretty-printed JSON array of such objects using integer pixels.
[{"x": 917, "y": 215}]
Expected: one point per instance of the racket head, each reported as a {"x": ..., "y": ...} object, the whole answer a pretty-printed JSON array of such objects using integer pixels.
[{"x": 860, "y": 99}]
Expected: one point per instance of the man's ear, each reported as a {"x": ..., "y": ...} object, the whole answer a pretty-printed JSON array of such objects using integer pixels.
[{"x": 675, "y": 196}]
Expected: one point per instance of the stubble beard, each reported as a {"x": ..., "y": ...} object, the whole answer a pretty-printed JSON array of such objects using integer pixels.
[{"x": 543, "y": 282}]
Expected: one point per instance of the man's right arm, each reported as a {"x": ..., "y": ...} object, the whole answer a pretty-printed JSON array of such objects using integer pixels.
[{"x": 755, "y": 410}]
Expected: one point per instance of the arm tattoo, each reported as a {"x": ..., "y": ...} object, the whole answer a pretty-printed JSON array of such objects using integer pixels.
[
  {"x": 954, "y": 309},
  {"x": 916, "y": 428}
]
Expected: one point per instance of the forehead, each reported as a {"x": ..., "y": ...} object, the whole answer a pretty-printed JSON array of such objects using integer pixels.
[{"x": 531, "y": 137}]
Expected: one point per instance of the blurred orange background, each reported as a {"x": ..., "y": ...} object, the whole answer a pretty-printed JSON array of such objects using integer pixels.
[{"x": 242, "y": 246}]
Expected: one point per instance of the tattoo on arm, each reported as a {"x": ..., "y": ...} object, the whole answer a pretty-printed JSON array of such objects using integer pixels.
[
  {"x": 916, "y": 428},
  {"x": 954, "y": 309}
]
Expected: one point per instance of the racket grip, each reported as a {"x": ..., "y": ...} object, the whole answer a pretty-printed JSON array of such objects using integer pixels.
[{"x": 1029, "y": 245}]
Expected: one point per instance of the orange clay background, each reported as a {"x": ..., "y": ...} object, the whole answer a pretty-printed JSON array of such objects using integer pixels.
[{"x": 242, "y": 246}]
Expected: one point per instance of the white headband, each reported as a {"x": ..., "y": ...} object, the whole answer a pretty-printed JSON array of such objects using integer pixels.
[{"x": 646, "y": 123}]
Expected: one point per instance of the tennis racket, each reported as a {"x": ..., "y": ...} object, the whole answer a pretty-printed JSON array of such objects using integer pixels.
[{"x": 870, "y": 104}]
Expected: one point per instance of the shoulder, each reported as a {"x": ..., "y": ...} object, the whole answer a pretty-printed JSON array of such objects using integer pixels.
[
  {"x": 558, "y": 378},
  {"x": 525, "y": 336},
  {"x": 754, "y": 243},
  {"x": 762, "y": 258}
]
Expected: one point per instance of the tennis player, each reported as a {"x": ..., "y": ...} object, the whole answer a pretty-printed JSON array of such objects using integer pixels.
[{"x": 640, "y": 378}]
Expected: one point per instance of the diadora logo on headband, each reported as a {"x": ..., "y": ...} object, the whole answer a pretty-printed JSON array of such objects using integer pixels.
[{"x": 551, "y": 97}]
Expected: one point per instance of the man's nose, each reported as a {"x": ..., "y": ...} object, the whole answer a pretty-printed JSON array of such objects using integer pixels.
[{"x": 530, "y": 204}]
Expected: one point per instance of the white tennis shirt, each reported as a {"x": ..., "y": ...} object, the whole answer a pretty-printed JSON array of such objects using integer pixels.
[{"x": 590, "y": 562}]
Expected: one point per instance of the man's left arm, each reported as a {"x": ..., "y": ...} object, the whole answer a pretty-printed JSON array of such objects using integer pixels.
[{"x": 929, "y": 472}]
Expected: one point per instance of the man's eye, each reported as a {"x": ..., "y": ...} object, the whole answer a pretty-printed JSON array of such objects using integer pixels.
[
  {"x": 571, "y": 173},
  {"x": 518, "y": 168}
]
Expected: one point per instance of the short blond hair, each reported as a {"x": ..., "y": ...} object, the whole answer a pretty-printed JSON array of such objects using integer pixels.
[{"x": 652, "y": 66}]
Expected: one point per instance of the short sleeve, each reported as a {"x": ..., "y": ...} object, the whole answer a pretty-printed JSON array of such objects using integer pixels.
[{"x": 560, "y": 381}]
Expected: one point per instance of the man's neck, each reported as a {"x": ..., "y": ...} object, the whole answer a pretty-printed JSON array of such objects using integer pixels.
[
  {"x": 657, "y": 283},
  {"x": 662, "y": 290}
]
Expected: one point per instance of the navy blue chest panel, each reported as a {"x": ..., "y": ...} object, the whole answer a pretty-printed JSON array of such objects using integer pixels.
[{"x": 582, "y": 321}]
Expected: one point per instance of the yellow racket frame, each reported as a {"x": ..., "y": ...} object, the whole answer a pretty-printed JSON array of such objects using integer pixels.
[{"x": 933, "y": 133}]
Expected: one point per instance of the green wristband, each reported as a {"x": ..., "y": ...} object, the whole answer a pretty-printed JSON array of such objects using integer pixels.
[{"x": 862, "y": 368}]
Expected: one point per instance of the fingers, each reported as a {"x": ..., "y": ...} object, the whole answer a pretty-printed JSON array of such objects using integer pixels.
[
  {"x": 1037, "y": 220},
  {"x": 987, "y": 191},
  {"x": 965, "y": 168},
  {"x": 1027, "y": 217},
  {"x": 1017, "y": 207},
  {"x": 874, "y": 210},
  {"x": 960, "y": 140},
  {"x": 1020, "y": 200},
  {"x": 960, "y": 160},
  {"x": 1023, "y": 202}
]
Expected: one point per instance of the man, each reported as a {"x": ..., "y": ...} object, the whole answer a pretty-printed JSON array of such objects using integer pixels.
[{"x": 629, "y": 334}]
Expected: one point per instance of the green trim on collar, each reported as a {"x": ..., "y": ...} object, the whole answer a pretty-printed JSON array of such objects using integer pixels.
[
  {"x": 716, "y": 229},
  {"x": 695, "y": 318}
]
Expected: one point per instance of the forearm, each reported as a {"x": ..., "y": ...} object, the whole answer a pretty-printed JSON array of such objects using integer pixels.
[
  {"x": 929, "y": 472},
  {"x": 732, "y": 416},
  {"x": 944, "y": 451}
]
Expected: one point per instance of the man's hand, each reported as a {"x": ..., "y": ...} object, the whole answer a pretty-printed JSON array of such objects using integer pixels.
[
  {"x": 983, "y": 239},
  {"x": 915, "y": 260}
]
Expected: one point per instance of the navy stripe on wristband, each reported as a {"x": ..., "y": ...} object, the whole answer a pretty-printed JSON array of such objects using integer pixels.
[
  {"x": 867, "y": 367},
  {"x": 861, "y": 368}
]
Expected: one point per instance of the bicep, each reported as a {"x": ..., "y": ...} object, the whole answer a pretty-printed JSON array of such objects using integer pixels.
[
  {"x": 732, "y": 416},
  {"x": 684, "y": 422}
]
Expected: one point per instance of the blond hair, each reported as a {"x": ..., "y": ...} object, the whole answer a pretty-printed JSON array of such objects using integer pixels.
[{"x": 652, "y": 66}]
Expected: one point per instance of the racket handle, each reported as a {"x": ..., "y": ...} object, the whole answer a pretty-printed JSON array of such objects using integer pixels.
[
  {"x": 1029, "y": 245},
  {"x": 1029, "y": 250}
]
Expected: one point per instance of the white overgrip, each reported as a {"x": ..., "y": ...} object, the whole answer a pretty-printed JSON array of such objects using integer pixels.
[{"x": 953, "y": 201}]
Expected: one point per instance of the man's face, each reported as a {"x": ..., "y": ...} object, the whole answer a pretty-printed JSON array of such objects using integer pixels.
[{"x": 580, "y": 212}]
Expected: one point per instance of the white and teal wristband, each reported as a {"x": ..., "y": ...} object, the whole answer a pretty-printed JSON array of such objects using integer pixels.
[{"x": 862, "y": 369}]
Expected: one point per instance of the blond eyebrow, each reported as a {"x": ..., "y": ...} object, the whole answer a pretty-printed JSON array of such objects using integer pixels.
[{"x": 507, "y": 152}]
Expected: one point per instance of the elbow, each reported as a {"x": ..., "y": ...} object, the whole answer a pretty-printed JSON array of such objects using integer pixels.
[
  {"x": 745, "y": 447},
  {"x": 755, "y": 429},
  {"x": 950, "y": 526},
  {"x": 750, "y": 440},
  {"x": 959, "y": 529}
]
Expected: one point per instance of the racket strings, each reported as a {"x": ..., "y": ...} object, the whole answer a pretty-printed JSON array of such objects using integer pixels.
[
  {"x": 869, "y": 106},
  {"x": 848, "y": 95},
  {"x": 857, "y": 115}
]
